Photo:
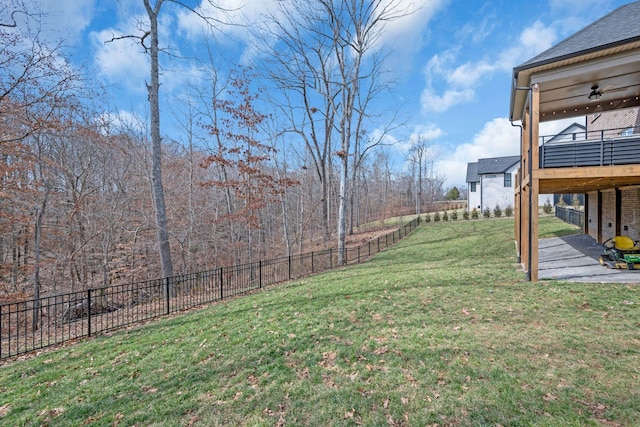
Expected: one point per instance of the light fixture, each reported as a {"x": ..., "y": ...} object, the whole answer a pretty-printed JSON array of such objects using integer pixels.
[{"x": 595, "y": 93}]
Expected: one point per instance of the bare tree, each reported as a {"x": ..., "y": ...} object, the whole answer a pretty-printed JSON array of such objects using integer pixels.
[
  {"x": 420, "y": 157},
  {"x": 331, "y": 49},
  {"x": 153, "y": 50}
]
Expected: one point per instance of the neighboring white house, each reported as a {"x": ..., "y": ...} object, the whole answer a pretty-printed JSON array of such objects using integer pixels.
[
  {"x": 493, "y": 182},
  {"x": 490, "y": 183},
  {"x": 473, "y": 187}
]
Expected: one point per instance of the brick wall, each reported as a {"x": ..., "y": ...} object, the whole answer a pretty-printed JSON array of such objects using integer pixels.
[
  {"x": 630, "y": 215},
  {"x": 618, "y": 119},
  {"x": 608, "y": 214},
  {"x": 592, "y": 225}
]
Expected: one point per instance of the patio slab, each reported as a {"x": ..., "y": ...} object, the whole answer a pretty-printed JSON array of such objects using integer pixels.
[{"x": 575, "y": 259}]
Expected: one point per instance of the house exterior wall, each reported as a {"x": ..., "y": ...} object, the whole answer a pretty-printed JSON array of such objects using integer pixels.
[
  {"x": 494, "y": 192},
  {"x": 592, "y": 221},
  {"x": 608, "y": 214},
  {"x": 473, "y": 198},
  {"x": 618, "y": 119},
  {"x": 630, "y": 215}
]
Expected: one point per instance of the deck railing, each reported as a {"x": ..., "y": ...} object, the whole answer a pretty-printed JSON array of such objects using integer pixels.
[{"x": 595, "y": 148}]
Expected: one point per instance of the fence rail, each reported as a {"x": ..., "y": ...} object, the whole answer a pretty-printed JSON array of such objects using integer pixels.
[
  {"x": 34, "y": 324},
  {"x": 571, "y": 216}
]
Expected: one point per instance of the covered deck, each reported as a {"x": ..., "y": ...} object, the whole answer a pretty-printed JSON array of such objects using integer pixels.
[{"x": 594, "y": 71}]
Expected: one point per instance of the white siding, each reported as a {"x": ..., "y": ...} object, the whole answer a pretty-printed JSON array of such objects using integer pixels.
[
  {"x": 473, "y": 199},
  {"x": 495, "y": 193}
]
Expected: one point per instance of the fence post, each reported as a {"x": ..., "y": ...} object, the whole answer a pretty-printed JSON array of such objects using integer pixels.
[
  {"x": 289, "y": 267},
  {"x": 260, "y": 274},
  {"x": 166, "y": 292},
  {"x": 221, "y": 287},
  {"x": 88, "y": 310},
  {"x": 312, "y": 269},
  {"x": 358, "y": 254},
  {"x": 331, "y": 258}
]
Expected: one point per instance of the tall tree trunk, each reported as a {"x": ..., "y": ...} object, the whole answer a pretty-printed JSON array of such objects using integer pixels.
[
  {"x": 156, "y": 141},
  {"x": 36, "y": 264}
]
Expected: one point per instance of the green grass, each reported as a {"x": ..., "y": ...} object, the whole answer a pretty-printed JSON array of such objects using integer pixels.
[{"x": 439, "y": 330}]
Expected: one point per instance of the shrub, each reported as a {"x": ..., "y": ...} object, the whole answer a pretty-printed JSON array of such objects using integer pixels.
[
  {"x": 445, "y": 216},
  {"x": 474, "y": 213},
  {"x": 427, "y": 218},
  {"x": 465, "y": 214},
  {"x": 575, "y": 202},
  {"x": 508, "y": 211},
  {"x": 486, "y": 213},
  {"x": 547, "y": 208},
  {"x": 436, "y": 217},
  {"x": 561, "y": 202},
  {"x": 497, "y": 211},
  {"x": 454, "y": 216}
]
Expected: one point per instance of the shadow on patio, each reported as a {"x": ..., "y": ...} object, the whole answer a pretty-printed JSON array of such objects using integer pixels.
[{"x": 575, "y": 259}]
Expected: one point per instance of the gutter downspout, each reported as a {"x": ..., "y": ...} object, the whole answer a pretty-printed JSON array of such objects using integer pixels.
[
  {"x": 520, "y": 177},
  {"x": 519, "y": 190},
  {"x": 530, "y": 252}
]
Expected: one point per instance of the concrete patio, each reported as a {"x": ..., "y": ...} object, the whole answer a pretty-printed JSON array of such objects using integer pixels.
[{"x": 575, "y": 259}]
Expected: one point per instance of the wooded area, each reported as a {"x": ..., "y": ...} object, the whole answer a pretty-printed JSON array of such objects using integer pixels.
[{"x": 252, "y": 175}]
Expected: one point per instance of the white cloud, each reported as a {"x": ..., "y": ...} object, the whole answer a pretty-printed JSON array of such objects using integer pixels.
[
  {"x": 231, "y": 17},
  {"x": 405, "y": 29},
  {"x": 497, "y": 138},
  {"x": 459, "y": 81},
  {"x": 431, "y": 101},
  {"x": 64, "y": 20},
  {"x": 120, "y": 61}
]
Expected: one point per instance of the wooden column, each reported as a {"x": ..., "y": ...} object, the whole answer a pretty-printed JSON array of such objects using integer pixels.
[{"x": 534, "y": 183}]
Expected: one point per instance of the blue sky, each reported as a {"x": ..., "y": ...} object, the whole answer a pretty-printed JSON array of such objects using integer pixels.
[{"x": 452, "y": 60}]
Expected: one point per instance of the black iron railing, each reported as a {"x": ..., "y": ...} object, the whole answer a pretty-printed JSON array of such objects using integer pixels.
[
  {"x": 570, "y": 215},
  {"x": 33, "y": 324}
]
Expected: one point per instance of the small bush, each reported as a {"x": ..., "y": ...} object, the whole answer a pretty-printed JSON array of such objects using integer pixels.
[
  {"x": 445, "y": 216},
  {"x": 547, "y": 208},
  {"x": 497, "y": 211},
  {"x": 436, "y": 217},
  {"x": 508, "y": 211},
  {"x": 486, "y": 213},
  {"x": 427, "y": 218},
  {"x": 465, "y": 215},
  {"x": 575, "y": 202},
  {"x": 474, "y": 214},
  {"x": 454, "y": 216}
]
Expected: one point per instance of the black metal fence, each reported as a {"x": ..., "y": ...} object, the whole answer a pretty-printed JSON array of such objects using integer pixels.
[
  {"x": 570, "y": 215},
  {"x": 33, "y": 324}
]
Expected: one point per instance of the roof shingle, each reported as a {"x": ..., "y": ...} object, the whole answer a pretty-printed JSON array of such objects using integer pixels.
[{"x": 620, "y": 26}]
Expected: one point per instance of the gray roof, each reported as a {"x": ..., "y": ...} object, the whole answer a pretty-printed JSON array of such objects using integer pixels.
[
  {"x": 619, "y": 27},
  {"x": 496, "y": 164},
  {"x": 472, "y": 172}
]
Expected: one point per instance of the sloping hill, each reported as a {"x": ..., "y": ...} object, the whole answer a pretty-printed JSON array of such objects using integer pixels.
[{"x": 441, "y": 329}]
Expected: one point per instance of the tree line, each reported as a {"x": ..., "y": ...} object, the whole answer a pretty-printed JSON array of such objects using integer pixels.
[{"x": 250, "y": 175}]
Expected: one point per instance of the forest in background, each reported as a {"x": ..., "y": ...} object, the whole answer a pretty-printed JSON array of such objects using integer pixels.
[{"x": 253, "y": 175}]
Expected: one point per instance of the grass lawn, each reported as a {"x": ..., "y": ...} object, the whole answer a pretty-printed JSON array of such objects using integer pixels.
[{"x": 439, "y": 330}]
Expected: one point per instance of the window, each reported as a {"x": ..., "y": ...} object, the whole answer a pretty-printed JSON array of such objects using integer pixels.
[
  {"x": 473, "y": 187},
  {"x": 627, "y": 132},
  {"x": 507, "y": 180}
]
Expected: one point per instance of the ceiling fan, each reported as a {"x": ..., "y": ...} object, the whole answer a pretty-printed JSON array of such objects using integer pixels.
[{"x": 597, "y": 92}]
